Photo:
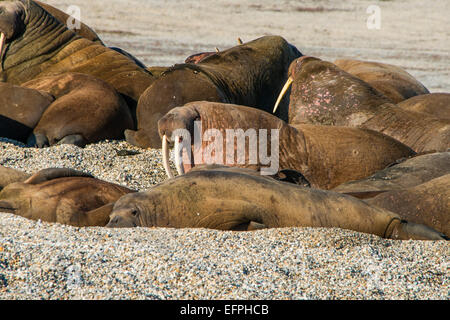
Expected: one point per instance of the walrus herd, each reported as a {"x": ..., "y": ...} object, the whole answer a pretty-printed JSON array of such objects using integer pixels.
[{"x": 350, "y": 144}]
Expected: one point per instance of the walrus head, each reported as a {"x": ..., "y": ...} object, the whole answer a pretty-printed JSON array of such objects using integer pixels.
[
  {"x": 295, "y": 67},
  {"x": 12, "y": 17}
]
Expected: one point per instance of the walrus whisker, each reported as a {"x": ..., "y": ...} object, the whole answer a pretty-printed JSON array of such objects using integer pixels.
[
  {"x": 165, "y": 151},
  {"x": 178, "y": 152},
  {"x": 2, "y": 43},
  {"x": 283, "y": 92}
]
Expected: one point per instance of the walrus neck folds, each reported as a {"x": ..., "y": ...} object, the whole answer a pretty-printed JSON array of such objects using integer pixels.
[{"x": 42, "y": 37}]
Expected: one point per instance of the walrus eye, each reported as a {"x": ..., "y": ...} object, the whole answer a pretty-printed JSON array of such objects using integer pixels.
[{"x": 134, "y": 213}]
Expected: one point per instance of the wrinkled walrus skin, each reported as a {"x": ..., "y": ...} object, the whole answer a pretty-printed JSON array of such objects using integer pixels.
[
  {"x": 20, "y": 110},
  {"x": 427, "y": 203},
  {"x": 85, "y": 31},
  {"x": 322, "y": 93},
  {"x": 325, "y": 155},
  {"x": 85, "y": 110},
  {"x": 392, "y": 81},
  {"x": 407, "y": 174},
  {"x": 225, "y": 200},
  {"x": 433, "y": 104},
  {"x": 62, "y": 195},
  {"x": 250, "y": 74},
  {"x": 38, "y": 45}
]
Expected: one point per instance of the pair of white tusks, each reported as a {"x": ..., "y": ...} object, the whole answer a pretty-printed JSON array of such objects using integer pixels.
[
  {"x": 178, "y": 152},
  {"x": 2, "y": 43},
  {"x": 283, "y": 92}
]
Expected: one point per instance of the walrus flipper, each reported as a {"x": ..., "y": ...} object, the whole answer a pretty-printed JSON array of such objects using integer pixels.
[
  {"x": 10, "y": 175},
  {"x": 54, "y": 173},
  {"x": 404, "y": 230}
]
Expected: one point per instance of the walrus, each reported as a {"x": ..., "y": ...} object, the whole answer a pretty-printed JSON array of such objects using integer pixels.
[
  {"x": 250, "y": 74},
  {"x": 10, "y": 175},
  {"x": 392, "y": 81},
  {"x": 434, "y": 104},
  {"x": 325, "y": 155},
  {"x": 427, "y": 203},
  {"x": 34, "y": 44},
  {"x": 20, "y": 110},
  {"x": 85, "y": 110},
  {"x": 85, "y": 31},
  {"x": 322, "y": 93},
  {"x": 227, "y": 200},
  {"x": 398, "y": 176},
  {"x": 61, "y": 195}
]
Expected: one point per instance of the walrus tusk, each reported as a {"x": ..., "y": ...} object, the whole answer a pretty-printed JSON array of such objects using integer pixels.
[
  {"x": 165, "y": 151},
  {"x": 239, "y": 40},
  {"x": 2, "y": 43},
  {"x": 283, "y": 92},
  {"x": 178, "y": 152},
  {"x": 217, "y": 49}
]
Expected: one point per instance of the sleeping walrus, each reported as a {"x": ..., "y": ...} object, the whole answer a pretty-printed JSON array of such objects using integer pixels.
[
  {"x": 399, "y": 176},
  {"x": 250, "y": 74},
  {"x": 325, "y": 155},
  {"x": 433, "y": 104},
  {"x": 322, "y": 93},
  {"x": 392, "y": 81},
  {"x": 59, "y": 195},
  {"x": 229, "y": 200},
  {"x": 427, "y": 203}
]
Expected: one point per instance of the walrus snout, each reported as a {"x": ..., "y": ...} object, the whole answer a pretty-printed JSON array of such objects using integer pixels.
[{"x": 120, "y": 221}]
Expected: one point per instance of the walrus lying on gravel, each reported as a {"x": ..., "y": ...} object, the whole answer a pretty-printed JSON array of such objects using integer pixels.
[
  {"x": 427, "y": 203},
  {"x": 433, "y": 104},
  {"x": 406, "y": 174},
  {"x": 392, "y": 81},
  {"x": 322, "y": 93},
  {"x": 59, "y": 195},
  {"x": 250, "y": 74},
  {"x": 69, "y": 108},
  {"x": 325, "y": 155},
  {"x": 228, "y": 200},
  {"x": 34, "y": 44}
]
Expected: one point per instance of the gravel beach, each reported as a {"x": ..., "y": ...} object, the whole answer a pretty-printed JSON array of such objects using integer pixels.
[{"x": 41, "y": 260}]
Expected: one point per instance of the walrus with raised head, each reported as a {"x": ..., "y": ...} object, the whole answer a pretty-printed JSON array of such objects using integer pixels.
[
  {"x": 325, "y": 155},
  {"x": 59, "y": 195},
  {"x": 398, "y": 176},
  {"x": 249, "y": 74},
  {"x": 392, "y": 81},
  {"x": 322, "y": 93},
  {"x": 229, "y": 200},
  {"x": 35, "y": 44}
]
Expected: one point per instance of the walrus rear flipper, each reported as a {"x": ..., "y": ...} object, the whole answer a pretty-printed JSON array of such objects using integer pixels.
[
  {"x": 9, "y": 175},
  {"x": 99, "y": 216},
  {"x": 54, "y": 173},
  {"x": 404, "y": 230}
]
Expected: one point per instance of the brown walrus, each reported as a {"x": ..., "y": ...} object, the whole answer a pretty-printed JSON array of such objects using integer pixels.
[
  {"x": 85, "y": 110},
  {"x": 407, "y": 174},
  {"x": 10, "y": 175},
  {"x": 325, "y": 155},
  {"x": 322, "y": 93},
  {"x": 250, "y": 74},
  {"x": 228, "y": 200},
  {"x": 35, "y": 44},
  {"x": 427, "y": 203},
  {"x": 61, "y": 195},
  {"x": 85, "y": 31},
  {"x": 434, "y": 104},
  {"x": 20, "y": 110},
  {"x": 392, "y": 81}
]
